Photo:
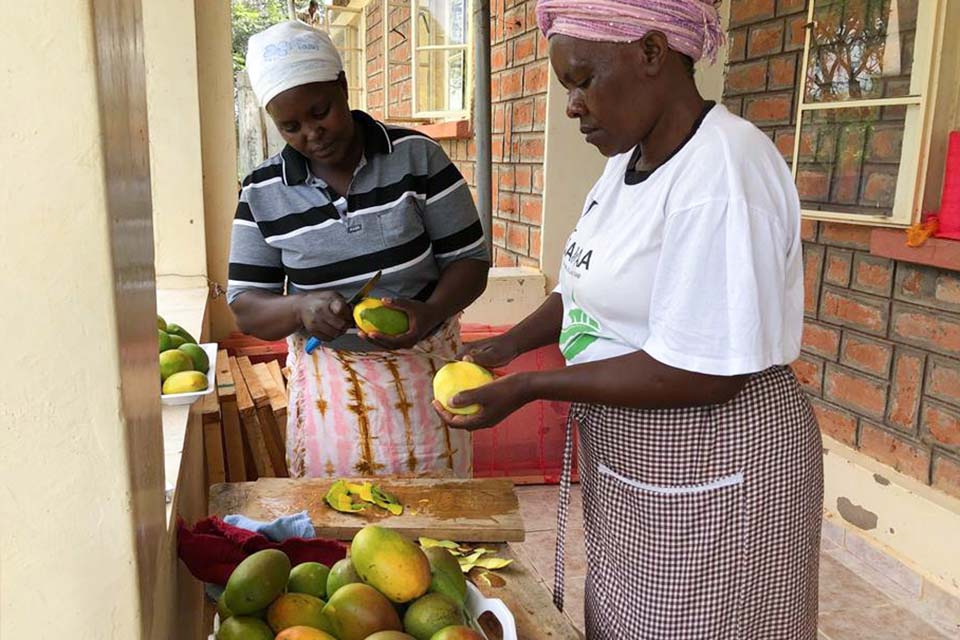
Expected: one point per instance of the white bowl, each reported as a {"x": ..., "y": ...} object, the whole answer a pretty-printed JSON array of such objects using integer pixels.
[
  {"x": 174, "y": 399},
  {"x": 477, "y": 605}
]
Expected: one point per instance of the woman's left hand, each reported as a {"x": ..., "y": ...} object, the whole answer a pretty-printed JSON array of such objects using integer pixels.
[
  {"x": 497, "y": 400},
  {"x": 422, "y": 318}
]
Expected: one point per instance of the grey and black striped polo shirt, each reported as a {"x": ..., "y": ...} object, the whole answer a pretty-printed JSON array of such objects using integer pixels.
[{"x": 408, "y": 213}]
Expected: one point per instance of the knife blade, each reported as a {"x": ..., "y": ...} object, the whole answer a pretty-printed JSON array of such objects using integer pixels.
[{"x": 367, "y": 287}]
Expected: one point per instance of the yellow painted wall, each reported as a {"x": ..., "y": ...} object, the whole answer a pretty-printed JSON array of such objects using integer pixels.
[
  {"x": 512, "y": 294},
  {"x": 571, "y": 166},
  {"x": 710, "y": 77},
  {"x": 219, "y": 147},
  {"x": 81, "y": 504},
  {"x": 176, "y": 172}
]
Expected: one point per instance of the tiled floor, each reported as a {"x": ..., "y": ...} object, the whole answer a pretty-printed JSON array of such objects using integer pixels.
[{"x": 857, "y": 601}]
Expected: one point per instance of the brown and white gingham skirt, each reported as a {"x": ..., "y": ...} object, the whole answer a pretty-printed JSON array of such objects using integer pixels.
[{"x": 700, "y": 523}]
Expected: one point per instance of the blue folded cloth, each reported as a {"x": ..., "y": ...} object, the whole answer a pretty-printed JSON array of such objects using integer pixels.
[{"x": 297, "y": 525}]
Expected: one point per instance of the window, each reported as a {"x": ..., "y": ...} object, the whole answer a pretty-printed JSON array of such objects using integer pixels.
[
  {"x": 440, "y": 45},
  {"x": 347, "y": 28},
  {"x": 863, "y": 110}
]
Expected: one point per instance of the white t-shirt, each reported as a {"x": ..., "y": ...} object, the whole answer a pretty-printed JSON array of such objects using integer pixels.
[{"x": 698, "y": 264}]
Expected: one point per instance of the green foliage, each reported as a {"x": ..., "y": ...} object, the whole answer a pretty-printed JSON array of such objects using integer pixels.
[{"x": 250, "y": 17}]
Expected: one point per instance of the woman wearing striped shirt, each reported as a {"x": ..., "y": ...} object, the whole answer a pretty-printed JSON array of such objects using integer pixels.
[{"x": 348, "y": 197}]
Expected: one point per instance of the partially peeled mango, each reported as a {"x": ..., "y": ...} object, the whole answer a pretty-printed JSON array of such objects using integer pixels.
[
  {"x": 456, "y": 377},
  {"x": 372, "y": 316}
]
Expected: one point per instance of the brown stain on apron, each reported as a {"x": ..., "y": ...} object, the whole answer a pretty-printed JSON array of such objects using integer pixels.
[
  {"x": 298, "y": 453},
  {"x": 449, "y": 451},
  {"x": 366, "y": 465},
  {"x": 322, "y": 405},
  {"x": 404, "y": 406}
]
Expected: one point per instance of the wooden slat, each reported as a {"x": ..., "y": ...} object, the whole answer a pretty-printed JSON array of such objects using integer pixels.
[
  {"x": 213, "y": 439},
  {"x": 265, "y": 417},
  {"x": 244, "y": 399},
  {"x": 250, "y": 377},
  {"x": 484, "y": 510},
  {"x": 213, "y": 446},
  {"x": 275, "y": 394},
  {"x": 278, "y": 378},
  {"x": 233, "y": 441},
  {"x": 251, "y": 424},
  {"x": 210, "y": 408},
  {"x": 278, "y": 398},
  {"x": 225, "y": 388},
  {"x": 238, "y": 468}
]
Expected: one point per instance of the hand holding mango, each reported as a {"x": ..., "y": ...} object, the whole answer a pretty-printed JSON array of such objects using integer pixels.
[
  {"x": 456, "y": 377},
  {"x": 372, "y": 316},
  {"x": 325, "y": 314},
  {"x": 488, "y": 404},
  {"x": 395, "y": 324}
]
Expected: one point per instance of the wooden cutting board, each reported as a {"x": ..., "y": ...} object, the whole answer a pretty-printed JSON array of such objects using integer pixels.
[{"x": 484, "y": 510}]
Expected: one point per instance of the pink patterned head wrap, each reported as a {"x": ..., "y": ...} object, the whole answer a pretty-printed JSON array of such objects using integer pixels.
[{"x": 692, "y": 27}]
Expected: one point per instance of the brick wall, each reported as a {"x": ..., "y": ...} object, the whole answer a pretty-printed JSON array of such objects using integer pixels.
[
  {"x": 881, "y": 343},
  {"x": 393, "y": 88},
  {"x": 519, "y": 69}
]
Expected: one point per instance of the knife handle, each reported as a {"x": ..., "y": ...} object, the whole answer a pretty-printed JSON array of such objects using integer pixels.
[{"x": 312, "y": 345}]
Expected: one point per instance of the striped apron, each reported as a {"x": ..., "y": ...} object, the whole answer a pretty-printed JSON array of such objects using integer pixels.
[
  {"x": 371, "y": 413},
  {"x": 700, "y": 523}
]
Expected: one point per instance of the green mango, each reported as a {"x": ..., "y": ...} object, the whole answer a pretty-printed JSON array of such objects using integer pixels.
[{"x": 177, "y": 330}]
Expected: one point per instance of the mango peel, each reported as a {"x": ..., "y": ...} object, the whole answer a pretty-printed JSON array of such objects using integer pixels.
[
  {"x": 372, "y": 316},
  {"x": 456, "y": 377},
  {"x": 341, "y": 496},
  {"x": 468, "y": 557}
]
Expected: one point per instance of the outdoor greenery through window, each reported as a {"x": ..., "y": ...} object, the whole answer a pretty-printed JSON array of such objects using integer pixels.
[
  {"x": 343, "y": 20},
  {"x": 441, "y": 57},
  {"x": 862, "y": 108}
]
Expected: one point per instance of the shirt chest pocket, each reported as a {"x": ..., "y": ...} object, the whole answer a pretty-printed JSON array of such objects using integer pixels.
[{"x": 402, "y": 222}]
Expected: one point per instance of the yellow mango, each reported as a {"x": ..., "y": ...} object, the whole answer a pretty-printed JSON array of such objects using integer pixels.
[{"x": 455, "y": 377}]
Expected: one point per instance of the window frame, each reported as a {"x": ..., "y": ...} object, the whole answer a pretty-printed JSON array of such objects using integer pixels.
[
  {"x": 917, "y": 127},
  {"x": 467, "y": 48},
  {"x": 360, "y": 51}
]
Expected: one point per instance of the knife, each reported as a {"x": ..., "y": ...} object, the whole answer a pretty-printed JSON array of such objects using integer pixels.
[{"x": 314, "y": 342}]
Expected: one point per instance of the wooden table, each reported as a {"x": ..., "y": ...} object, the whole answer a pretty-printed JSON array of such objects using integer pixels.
[
  {"x": 485, "y": 510},
  {"x": 529, "y": 601}
]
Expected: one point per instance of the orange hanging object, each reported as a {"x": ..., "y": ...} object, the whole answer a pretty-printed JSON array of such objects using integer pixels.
[{"x": 920, "y": 232}]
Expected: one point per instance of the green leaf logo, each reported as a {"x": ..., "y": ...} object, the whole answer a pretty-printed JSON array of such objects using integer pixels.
[{"x": 580, "y": 333}]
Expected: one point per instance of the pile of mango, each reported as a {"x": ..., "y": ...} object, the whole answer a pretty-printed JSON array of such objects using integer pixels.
[
  {"x": 183, "y": 363},
  {"x": 388, "y": 588}
]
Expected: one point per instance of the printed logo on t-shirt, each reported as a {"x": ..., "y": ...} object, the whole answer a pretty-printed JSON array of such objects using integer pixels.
[
  {"x": 576, "y": 259},
  {"x": 581, "y": 332}
]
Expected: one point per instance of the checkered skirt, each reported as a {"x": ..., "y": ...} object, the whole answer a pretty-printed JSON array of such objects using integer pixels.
[{"x": 701, "y": 523}]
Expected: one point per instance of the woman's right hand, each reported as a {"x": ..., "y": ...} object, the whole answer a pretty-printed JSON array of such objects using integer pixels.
[
  {"x": 325, "y": 315},
  {"x": 490, "y": 353}
]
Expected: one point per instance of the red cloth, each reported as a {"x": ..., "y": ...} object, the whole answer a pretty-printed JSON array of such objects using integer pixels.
[
  {"x": 213, "y": 548},
  {"x": 949, "y": 213}
]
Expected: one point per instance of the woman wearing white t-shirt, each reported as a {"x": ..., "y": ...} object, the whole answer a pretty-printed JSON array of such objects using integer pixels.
[{"x": 678, "y": 311}]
